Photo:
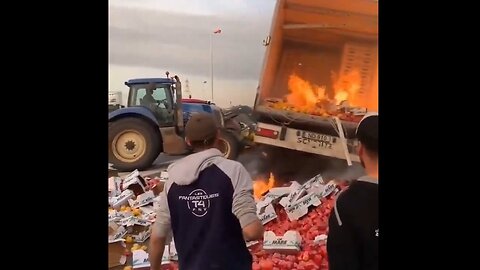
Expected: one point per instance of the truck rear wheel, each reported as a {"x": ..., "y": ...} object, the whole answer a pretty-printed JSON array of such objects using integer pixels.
[
  {"x": 133, "y": 144},
  {"x": 228, "y": 145}
]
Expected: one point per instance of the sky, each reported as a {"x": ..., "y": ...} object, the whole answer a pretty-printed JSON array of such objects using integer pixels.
[{"x": 149, "y": 37}]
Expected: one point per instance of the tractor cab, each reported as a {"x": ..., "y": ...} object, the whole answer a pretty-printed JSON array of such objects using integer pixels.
[{"x": 155, "y": 94}]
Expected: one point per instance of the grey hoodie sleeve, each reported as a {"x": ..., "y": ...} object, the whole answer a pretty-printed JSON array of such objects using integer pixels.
[
  {"x": 243, "y": 206},
  {"x": 162, "y": 225}
]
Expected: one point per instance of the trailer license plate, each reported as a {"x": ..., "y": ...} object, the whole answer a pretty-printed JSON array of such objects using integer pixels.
[{"x": 315, "y": 139}]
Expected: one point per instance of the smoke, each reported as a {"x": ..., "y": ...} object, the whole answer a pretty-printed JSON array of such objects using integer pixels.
[
  {"x": 255, "y": 160},
  {"x": 287, "y": 165}
]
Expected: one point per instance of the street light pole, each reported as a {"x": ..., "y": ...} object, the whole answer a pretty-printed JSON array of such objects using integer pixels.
[{"x": 211, "y": 62}]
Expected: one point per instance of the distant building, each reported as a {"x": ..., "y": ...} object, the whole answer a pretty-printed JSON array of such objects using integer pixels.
[{"x": 115, "y": 98}]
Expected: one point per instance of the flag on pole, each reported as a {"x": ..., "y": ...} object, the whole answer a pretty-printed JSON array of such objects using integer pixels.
[{"x": 217, "y": 31}]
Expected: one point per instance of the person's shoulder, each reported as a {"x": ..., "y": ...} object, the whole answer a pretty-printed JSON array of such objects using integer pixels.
[
  {"x": 353, "y": 196},
  {"x": 349, "y": 192},
  {"x": 228, "y": 164},
  {"x": 363, "y": 185},
  {"x": 234, "y": 170}
]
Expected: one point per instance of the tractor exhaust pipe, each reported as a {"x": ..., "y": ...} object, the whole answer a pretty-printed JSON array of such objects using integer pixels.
[{"x": 179, "y": 110}]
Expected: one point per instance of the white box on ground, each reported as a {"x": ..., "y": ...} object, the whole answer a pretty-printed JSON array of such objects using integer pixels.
[
  {"x": 131, "y": 176},
  {"x": 117, "y": 236},
  {"x": 142, "y": 236},
  {"x": 276, "y": 193},
  {"x": 314, "y": 185},
  {"x": 122, "y": 199},
  {"x": 147, "y": 209},
  {"x": 297, "y": 192},
  {"x": 314, "y": 181},
  {"x": 124, "y": 214},
  {"x": 142, "y": 222},
  {"x": 320, "y": 239},
  {"x": 114, "y": 216},
  {"x": 280, "y": 191},
  {"x": 134, "y": 178},
  {"x": 300, "y": 207},
  {"x": 329, "y": 188},
  {"x": 142, "y": 199},
  {"x": 267, "y": 215},
  {"x": 289, "y": 243},
  {"x": 140, "y": 259},
  {"x": 114, "y": 186},
  {"x": 148, "y": 213}
]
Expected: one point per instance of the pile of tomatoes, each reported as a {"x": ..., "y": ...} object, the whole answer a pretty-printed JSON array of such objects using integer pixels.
[{"x": 312, "y": 255}]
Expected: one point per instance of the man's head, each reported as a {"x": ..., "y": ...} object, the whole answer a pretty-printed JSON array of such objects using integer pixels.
[
  {"x": 367, "y": 134},
  {"x": 201, "y": 131},
  {"x": 150, "y": 87}
]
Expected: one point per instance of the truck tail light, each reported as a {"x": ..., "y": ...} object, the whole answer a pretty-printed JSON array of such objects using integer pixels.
[{"x": 273, "y": 134}]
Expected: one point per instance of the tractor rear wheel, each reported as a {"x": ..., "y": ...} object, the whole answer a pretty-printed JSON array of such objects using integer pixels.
[{"x": 133, "y": 144}]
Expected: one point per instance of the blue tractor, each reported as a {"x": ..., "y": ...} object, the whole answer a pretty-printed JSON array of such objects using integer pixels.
[{"x": 153, "y": 122}]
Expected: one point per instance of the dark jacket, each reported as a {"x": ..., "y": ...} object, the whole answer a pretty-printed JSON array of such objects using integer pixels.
[
  {"x": 353, "y": 228},
  {"x": 206, "y": 202}
]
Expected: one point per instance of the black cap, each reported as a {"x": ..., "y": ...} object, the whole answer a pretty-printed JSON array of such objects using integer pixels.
[{"x": 367, "y": 131}]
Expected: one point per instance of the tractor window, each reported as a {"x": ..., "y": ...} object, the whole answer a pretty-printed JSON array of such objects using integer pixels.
[
  {"x": 158, "y": 100},
  {"x": 143, "y": 97}
]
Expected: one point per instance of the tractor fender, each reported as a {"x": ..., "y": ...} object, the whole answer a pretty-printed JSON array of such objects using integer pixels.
[{"x": 140, "y": 112}]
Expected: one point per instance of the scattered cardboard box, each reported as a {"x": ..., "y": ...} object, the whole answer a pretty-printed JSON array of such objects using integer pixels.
[
  {"x": 114, "y": 216},
  {"x": 320, "y": 239},
  {"x": 278, "y": 194},
  {"x": 135, "y": 182},
  {"x": 117, "y": 202},
  {"x": 116, "y": 233},
  {"x": 128, "y": 221},
  {"x": 142, "y": 236},
  {"x": 266, "y": 214},
  {"x": 146, "y": 210},
  {"x": 314, "y": 185},
  {"x": 300, "y": 207},
  {"x": 142, "y": 199},
  {"x": 114, "y": 186},
  {"x": 329, "y": 189},
  {"x": 132, "y": 220},
  {"x": 289, "y": 243},
  {"x": 140, "y": 260}
]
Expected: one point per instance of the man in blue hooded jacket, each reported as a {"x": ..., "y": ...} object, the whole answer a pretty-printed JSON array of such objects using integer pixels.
[{"x": 208, "y": 204}]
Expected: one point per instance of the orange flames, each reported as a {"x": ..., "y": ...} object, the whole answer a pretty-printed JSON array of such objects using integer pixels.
[
  {"x": 261, "y": 186},
  {"x": 305, "y": 97},
  {"x": 346, "y": 87}
]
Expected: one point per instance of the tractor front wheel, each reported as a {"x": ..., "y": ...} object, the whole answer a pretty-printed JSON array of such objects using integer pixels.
[{"x": 133, "y": 144}]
